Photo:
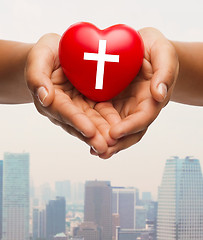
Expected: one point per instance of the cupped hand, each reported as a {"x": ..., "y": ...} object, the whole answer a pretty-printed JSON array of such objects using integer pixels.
[
  {"x": 56, "y": 98},
  {"x": 141, "y": 102},
  {"x": 108, "y": 127}
]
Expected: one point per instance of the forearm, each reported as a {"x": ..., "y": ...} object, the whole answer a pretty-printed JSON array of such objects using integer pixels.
[
  {"x": 13, "y": 88},
  {"x": 189, "y": 85}
]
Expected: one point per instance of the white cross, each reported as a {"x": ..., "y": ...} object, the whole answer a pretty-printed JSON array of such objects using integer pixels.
[{"x": 101, "y": 57}]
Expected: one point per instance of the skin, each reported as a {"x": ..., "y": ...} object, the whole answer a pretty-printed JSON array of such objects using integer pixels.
[
  {"x": 13, "y": 87},
  {"x": 140, "y": 103},
  {"x": 189, "y": 87},
  {"x": 64, "y": 105},
  {"x": 112, "y": 126}
]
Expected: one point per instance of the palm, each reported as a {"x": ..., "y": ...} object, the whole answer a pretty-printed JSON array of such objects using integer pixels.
[
  {"x": 71, "y": 107},
  {"x": 136, "y": 100},
  {"x": 131, "y": 112}
]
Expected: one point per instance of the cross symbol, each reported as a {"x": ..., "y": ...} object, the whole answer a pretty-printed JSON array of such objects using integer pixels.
[{"x": 101, "y": 57}]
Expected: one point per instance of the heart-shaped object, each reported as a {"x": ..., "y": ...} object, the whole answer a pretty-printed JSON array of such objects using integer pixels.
[{"x": 100, "y": 63}]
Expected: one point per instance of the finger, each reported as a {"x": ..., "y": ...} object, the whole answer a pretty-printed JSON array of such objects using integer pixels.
[
  {"x": 102, "y": 125},
  {"x": 97, "y": 142},
  {"x": 165, "y": 66},
  {"x": 99, "y": 121},
  {"x": 38, "y": 75},
  {"x": 92, "y": 151},
  {"x": 123, "y": 143},
  {"x": 41, "y": 62},
  {"x": 63, "y": 110},
  {"x": 137, "y": 121},
  {"x": 108, "y": 112}
]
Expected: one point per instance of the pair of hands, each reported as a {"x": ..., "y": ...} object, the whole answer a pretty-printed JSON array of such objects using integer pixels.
[{"x": 107, "y": 127}]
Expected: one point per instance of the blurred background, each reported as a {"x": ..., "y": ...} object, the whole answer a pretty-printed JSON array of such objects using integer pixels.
[{"x": 57, "y": 156}]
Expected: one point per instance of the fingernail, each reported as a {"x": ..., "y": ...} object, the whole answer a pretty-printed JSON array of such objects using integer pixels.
[
  {"x": 42, "y": 94},
  {"x": 162, "y": 89},
  {"x": 83, "y": 134},
  {"x": 94, "y": 149},
  {"x": 121, "y": 135}
]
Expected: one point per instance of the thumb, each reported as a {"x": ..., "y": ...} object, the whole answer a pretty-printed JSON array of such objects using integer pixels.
[
  {"x": 165, "y": 64},
  {"x": 160, "y": 85},
  {"x": 38, "y": 76},
  {"x": 41, "y": 87}
]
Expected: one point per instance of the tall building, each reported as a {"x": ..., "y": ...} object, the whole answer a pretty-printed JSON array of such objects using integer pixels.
[
  {"x": 124, "y": 202},
  {"x": 1, "y": 195},
  {"x": 151, "y": 222},
  {"x": 16, "y": 196},
  {"x": 77, "y": 193},
  {"x": 115, "y": 224},
  {"x": 35, "y": 224},
  {"x": 63, "y": 189},
  {"x": 46, "y": 194},
  {"x": 98, "y": 206},
  {"x": 140, "y": 217},
  {"x": 38, "y": 224},
  {"x": 42, "y": 224},
  {"x": 146, "y": 196},
  {"x": 180, "y": 201},
  {"x": 32, "y": 190},
  {"x": 55, "y": 217}
]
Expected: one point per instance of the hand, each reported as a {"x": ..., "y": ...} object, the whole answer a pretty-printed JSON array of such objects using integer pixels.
[
  {"x": 141, "y": 102},
  {"x": 55, "y": 97}
]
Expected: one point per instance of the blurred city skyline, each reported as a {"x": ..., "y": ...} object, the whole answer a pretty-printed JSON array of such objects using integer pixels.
[{"x": 96, "y": 209}]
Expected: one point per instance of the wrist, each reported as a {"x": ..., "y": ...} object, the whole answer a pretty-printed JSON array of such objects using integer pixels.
[
  {"x": 13, "y": 88},
  {"x": 26, "y": 49}
]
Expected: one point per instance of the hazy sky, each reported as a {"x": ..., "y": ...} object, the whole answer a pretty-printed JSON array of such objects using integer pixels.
[{"x": 56, "y": 155}]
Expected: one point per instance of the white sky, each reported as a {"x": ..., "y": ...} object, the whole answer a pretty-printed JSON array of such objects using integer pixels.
[{"x": 57, "y": 156}]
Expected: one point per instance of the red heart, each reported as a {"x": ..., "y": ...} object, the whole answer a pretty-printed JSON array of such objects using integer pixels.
[{"x": 100, "y": 63}]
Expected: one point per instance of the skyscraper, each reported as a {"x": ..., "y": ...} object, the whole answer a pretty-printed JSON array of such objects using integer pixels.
[
  {"x": 1, "y": 195},
  {"x": 16, "y": 196},
  {"x": 77, "y": 193},
  {"x": 35, "y": 224},
  {"x": 146, "y": 196},
  {"x": 55, "y": 217},
  {"x": 98, "y": 206},
  {"x": 45, "y": 193},
  {"x": 38, "y": 224},
  {"x": 124, "y": 201},
  {"x": 42, "y": 224},
  {"x": 141, "y": 216},
  {"x": 180, "y": 201},
  {"x": 115, "y": 224},
  {"x": 151, "y": 222},
  {"x": 63, "y": 189}
]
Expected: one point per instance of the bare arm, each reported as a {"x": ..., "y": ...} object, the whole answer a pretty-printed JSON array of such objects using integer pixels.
[
  {"x": 189, "y": 85},
  {"x": 13, "y": 57}
]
